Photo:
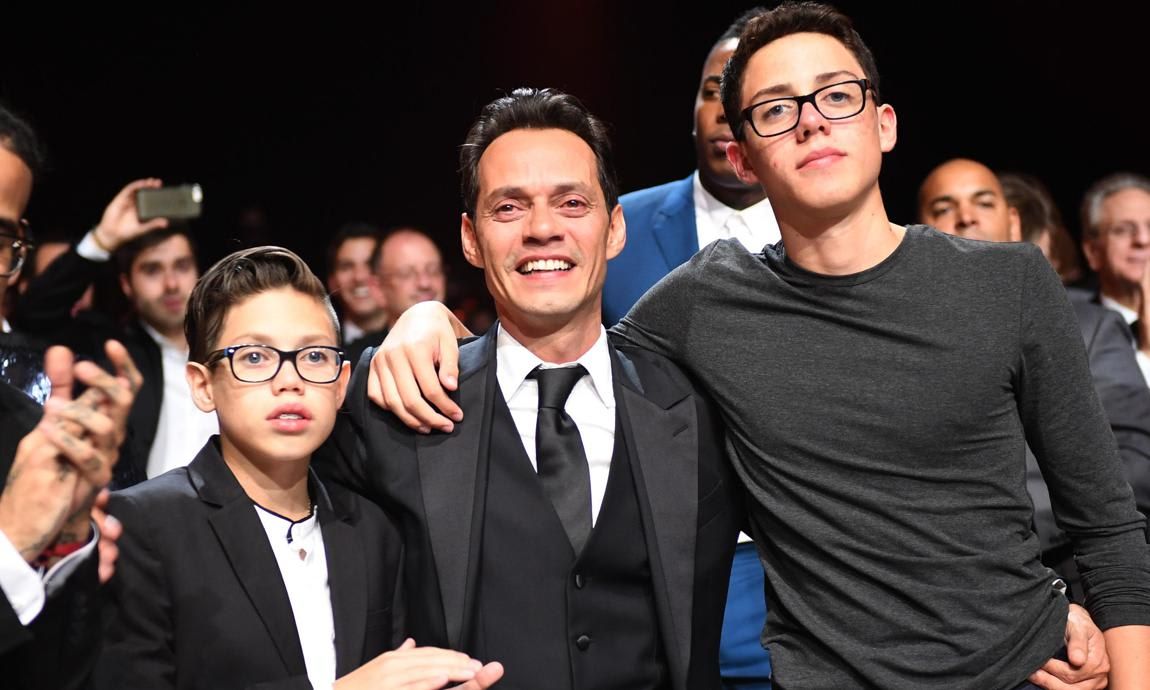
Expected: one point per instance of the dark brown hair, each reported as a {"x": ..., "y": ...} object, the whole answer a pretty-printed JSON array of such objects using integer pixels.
[{"x": 237, "y": 277}]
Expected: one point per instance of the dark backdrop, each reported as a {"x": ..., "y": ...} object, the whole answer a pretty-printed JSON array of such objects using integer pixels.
[{"x": 295, "y": 121}]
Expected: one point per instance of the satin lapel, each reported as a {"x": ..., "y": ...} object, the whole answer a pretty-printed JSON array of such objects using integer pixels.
[
  {"x": 347, "y": 578},
  {"x": 664, "y": 442},
  {"x": 245, "y": 543},
  {"x": 453, "y": 476},
  {"x": 674, "y": 225}
]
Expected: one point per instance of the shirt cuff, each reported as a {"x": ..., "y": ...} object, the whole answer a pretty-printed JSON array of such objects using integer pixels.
[
  {"x": 21, "y": 582},
  {"x": 90, "y": 250}
]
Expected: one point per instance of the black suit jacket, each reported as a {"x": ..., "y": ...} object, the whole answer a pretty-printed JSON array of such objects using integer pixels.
[
  {"x": 689, "y": 501},
  {"x": 58, "y": 648},
  {"x": 44, "y": 310},
  {"x": 198, "y": 600}
]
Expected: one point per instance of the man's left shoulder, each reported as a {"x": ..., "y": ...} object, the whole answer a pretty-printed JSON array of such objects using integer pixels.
[{"x": 655, "y": 373}]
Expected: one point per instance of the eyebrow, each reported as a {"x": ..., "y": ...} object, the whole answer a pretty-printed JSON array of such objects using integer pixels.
[
  {"x": 951, "y": 199},
  {"x": 516, "y": 192},
  {"x": 713, "y": 79},
  {"x": 307, "y": 340},
  {"x": 822, "y": 79}
]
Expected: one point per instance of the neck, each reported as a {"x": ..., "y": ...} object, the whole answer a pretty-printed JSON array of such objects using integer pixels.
[
  {"x": 554, "y": 343},
  {"x": 840, "y": 243},
  {"x": 737, "y": 197},
  {"x": 1127, "y": 294},
  {"x": 276, "y": 485},
  {"x": 174, "y": 335}
]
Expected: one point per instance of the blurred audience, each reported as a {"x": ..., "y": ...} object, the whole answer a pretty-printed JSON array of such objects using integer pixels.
[
  {"x": 350, "y": 280},
  {"x": 1041, "y": 223}
]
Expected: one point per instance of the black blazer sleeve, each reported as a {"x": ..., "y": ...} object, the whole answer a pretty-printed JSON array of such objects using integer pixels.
[{"x": 45, "y": 308}]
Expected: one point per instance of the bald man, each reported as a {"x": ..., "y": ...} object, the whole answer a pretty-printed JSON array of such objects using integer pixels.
[{"x": 964, "y": 198}]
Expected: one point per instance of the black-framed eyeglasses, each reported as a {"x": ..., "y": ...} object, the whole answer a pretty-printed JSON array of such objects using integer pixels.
[
  {"x": 777, "y": 116},
  {"x": 14, "y": 245},
  {"x": 259, "y": 363}
]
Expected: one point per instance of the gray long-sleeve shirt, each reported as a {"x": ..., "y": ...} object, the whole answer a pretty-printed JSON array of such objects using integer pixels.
[{"x": 879, "y": 421}]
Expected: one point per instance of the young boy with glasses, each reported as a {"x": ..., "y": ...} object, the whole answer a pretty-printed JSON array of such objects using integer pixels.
[{"x": 243, "y": 569}]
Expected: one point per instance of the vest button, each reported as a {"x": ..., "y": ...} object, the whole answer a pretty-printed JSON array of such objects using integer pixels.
[
  {"x": 583, "y": 642},
  {"x": 579, "y": 581}
]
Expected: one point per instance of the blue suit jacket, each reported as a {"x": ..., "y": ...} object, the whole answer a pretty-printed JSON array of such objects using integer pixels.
[{"x": 661, "y": 235}]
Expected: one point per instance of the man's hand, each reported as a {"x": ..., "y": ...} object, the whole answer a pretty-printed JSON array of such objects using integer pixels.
[
  {"x": 420, "y": 668},
  {"x": 419, "y": 359},
  {"x": 120, "y": 223},
  {"x": 1086, "y": 649},
  {"x": 110, "y": 532}
]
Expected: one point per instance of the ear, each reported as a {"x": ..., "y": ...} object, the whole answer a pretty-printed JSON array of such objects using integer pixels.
[
  {"x": 470, "y": 241},
  {"x": 887, "y": 127},
  {"x": 341, "y": 384},
  {"x": 1092, "y": 249},
  {"x": 616, "y": 232},
  {"x": 200, "y": 382},
  {"x": 1015, "y": 225},
  {"x": 126, "y": 286},
  {"x": 737, "y": 157}
]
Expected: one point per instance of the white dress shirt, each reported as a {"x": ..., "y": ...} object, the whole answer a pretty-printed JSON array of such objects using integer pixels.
[
  {"x": 754, "y": 227},
  {"x": 26, "y": 588},
  {"x": 591, "y": 404},
  {"x": 182, "y": 428},
  {"x": 1130, "y": 316},
  {"x": 303, "y": 565}
]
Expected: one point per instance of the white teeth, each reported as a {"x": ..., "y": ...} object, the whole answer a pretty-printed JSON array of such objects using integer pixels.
[
  {"x": 362, "y": 291},
  {"x": 288, "y": 415},
  {"x": 545, "y": 265}
]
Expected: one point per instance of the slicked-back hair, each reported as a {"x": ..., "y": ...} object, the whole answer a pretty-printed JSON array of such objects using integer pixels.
[
  {"x": 237, "y": 277},
  {"x": 535, "y": 109},
  {"x": 17, "y": 136},
  {"x": 784, "y": 20},
  {"x": 351, "y": 231},
  {"x": 1099, "y": 191}
]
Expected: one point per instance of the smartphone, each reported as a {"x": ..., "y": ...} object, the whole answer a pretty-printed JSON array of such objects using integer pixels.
[{"x": 184, "y": 201}]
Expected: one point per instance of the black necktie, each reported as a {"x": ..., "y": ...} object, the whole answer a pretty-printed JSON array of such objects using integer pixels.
[{"x": 559, "y": 455}]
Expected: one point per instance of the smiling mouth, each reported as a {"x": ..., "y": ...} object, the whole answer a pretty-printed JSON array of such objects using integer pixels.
[{"x": 544, "y": 265}]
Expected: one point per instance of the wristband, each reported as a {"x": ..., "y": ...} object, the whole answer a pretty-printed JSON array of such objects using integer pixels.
[{"x": 58, "y": 551}]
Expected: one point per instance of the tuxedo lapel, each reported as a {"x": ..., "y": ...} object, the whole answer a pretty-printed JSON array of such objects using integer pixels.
[
  {"x": 452, "y": 474},
  {"x": 346, "y": 574},
  {"x": 674, "y": 225},
  {"x": 245, "y": 543},
  {"x": 663, "y": 439}
]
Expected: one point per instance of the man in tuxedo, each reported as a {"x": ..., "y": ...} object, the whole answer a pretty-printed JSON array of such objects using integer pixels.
[
  {"x": 668, "y": 223},
  {"x": 581, "y": 537}
]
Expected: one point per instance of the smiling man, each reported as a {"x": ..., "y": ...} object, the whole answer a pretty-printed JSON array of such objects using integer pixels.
[{"x": 592, "y": 475}]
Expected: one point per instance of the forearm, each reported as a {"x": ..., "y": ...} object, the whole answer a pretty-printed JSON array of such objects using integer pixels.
[{"x": 1129, "y": 649}]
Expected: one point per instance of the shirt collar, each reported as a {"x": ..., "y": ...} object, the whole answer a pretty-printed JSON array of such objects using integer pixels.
[
  {"x": 5, "y": 327},
  {"x": 514, "y": 362},
  {"x": 165, "y": 344},
  {"x": 757, "y": 216},
  {"x": 1128, "y": 314}
]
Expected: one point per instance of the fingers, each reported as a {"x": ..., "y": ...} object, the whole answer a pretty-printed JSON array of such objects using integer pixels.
[
  {"x": 58, "y": 362},
  {"x": 1043, "y": 679},
  {"x": 124, "y": 365},
  {"x": 485, "y": 678},
  {"x": 1078, "y": 626},
  {"x": 410, "y": 406},
  {"x": 93, "y": 462},
  {"x": 110, "y": 532}
]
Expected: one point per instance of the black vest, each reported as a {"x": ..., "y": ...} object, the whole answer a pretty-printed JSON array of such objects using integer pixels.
[{"x": 557, "y": 621}]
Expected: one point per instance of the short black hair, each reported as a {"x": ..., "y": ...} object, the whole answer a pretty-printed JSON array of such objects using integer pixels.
[
  {"x": 17, "y": 136},
  {"x": 535, "y": 109},
  {"x": 126, "y": 255},
  {"x": 350, "y": 231},
  {"x": 740, "y": 23},
  {"x": 784, "y": 20}
]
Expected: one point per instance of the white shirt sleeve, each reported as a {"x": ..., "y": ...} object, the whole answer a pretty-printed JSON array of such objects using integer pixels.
[
  {"x": 25, "y": 588},
  {"x": 88, "y": 249}
]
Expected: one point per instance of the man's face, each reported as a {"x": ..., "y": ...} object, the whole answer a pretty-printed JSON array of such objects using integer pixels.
[
  {"x": 159, "y": 282},
  {"x": 350, "y": 279},
  {"x": 822, "y": 169},
  {"x": 542, "y": 231},
  {"x": 284, "y": 419},
  {"x": 15, "y": 188},
  {"x": 1121, "y": 250},
  {"x": 964, "y": 198},
  {"x": 712, "y": 134},
  {"x": 410, "y": 271}
]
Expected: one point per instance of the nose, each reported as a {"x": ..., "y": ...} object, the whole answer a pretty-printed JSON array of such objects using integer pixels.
[
  {"x": 171, "y": 283},
  {"x": 965, "y": 216},
  {"x": 1142, "y": 235},
  {"x": 287, "y": 378},
  {"x": 810, "y": 121},
  {"x": 541, "y": 226}
]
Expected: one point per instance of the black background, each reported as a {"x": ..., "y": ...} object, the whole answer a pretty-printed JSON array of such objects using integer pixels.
[{"x": 321, "y": 114}]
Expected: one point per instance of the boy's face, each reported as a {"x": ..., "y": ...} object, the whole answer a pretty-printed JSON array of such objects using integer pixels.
[
  {"x": 822, "y": 167},
  {"x": 284, "y": 419}
]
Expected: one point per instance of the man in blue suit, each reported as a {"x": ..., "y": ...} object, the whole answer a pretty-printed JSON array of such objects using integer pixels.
[{"x": 668, "y": 223}]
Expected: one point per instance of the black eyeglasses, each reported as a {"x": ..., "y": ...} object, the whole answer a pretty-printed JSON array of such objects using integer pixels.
[
  {"x": 777, "y": 116},
  {"x": 259, "y": 363},
  {"x": 14, "y": 245}
]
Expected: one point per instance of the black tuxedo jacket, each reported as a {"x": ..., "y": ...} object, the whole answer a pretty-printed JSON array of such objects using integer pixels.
[
  {"x": 44, "y": 310},
  {"x": 57, "y": 649},
  {"x": 198, "y": 600},
  {"x": 435, "y": 486}
]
